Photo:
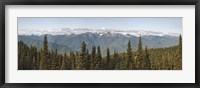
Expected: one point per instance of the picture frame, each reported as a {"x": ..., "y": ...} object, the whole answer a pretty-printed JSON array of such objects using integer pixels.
[{"x": 99, "y": 2}]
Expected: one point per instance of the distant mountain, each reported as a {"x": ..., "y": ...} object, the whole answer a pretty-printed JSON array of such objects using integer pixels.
[
  {"x": 37, "y": 41},
  {"x": 68, "y": 31},
  {"x": 115, "y": 40}
]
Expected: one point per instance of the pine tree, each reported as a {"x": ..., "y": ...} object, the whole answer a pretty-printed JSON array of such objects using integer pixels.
[
  {"x": 115, "y": 60},
  {"x": 22, "y": 55},
  {"x": 49, "y": 60},
  {"x": 140, "y": 45},
  {"x": 52, "y": 60},
  {"x": 44, "y": 59},
  {"x": 39, "y": 58},
  {"x": 64, "y": 65},
  {"x": 146, "y": 60},
  {"x": 54, "y": 64},
  {"x": 180, "y": 44},
  {"x": 60, "y": 58},
  {"x": 88, "y": 60},
  {"x": 82, "y": 59},
  {"x": 129, "y": 55},
  {"x": 98, "y": 60},
  {"x": 108, "y": 61},
  {"x": 93, "y": 58},
  {"x": 122, "y": 62},
  {"x": 139, "y": 56},
  {"x": 179, "y": 65},
  {"x": 29, "y": 59},
  {"x": 73, "y": 59},
  {"x": 35, "y": 54}
]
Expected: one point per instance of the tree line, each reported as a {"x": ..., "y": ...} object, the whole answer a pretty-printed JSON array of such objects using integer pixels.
[{"x": 31, "y": 58}]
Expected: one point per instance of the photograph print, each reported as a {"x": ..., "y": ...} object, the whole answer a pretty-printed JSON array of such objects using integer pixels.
[{"x": 99, "y": 43}]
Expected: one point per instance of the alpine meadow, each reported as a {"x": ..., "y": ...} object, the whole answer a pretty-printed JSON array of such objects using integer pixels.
[{"x": 100, "y": 43}]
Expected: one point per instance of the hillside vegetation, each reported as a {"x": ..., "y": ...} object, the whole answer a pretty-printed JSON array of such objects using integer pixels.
[{"x": 33, "y": 58}]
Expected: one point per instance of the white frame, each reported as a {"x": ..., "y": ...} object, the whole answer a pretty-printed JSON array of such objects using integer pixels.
[{"x": 186, "y": 75}]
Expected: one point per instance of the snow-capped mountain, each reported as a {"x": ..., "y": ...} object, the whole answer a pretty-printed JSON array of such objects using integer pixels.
[{"x": 68, "y": 31}]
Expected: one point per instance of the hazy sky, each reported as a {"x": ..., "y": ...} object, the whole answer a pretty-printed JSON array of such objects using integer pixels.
[{"x": 161, "y": 24}]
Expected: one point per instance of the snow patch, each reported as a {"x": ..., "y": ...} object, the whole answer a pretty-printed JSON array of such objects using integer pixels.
[{"x": 103, "y": 31}]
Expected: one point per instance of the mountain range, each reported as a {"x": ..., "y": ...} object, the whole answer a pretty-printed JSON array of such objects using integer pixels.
[
  {"x": 68, "y": 31},
  {"x": 65, "y": 40}
]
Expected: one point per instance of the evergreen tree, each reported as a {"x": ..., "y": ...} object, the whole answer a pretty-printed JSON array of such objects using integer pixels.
[
  {"x": 146, "y": 61},
  {"x": 64, "y": 65},
  {"x": 129, "y": 56},
  {"x": 93, "y": 58},
  {"x": 98, "y": 60},
  {"x": 73, "y": 59},
  {"x": 44, "y": 59},
  {"x": 49, "y": 60},
  {"x": 39, "y": 58},
  {"x": 179, "y": 59},
  {"x": 82, "y": 59},
  {"x": 35, "y": 57},
  {"x": 88, "y": 60},
  {"x": 139, "y": 56},
  {"x": 108, "y": 61},
  {"x": 139, "y": 45},
  {"x": 22, "y": 55},
  {"x": 52, "y": 60},
  {"x": 122, "y": 62},
  {"x": 55, "y": 58},
  {"x": 60, "y": 58},
  {"x": 115, "y": 60}
]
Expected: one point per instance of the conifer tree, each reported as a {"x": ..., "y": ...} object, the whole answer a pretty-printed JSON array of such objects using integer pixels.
[
  {"x": 82, "y": 59},
  {"x": 22, "y": 55},
  {"x": 179, "y": 65},
  {"x": 54, "y": 63},
  {"x": 122, "y": 62},
  {"x": 98, "y": 60},
  {"x": 29, "y": 60},
  {"x": 52, "y": 67},
  {"x": 35, "y": 57},
  {"x": 73, "y": 59},
  {"x": 93, "y": 58},
  {"x": 60, "y": 58},
  {"x": 128, "y": 56},
  {"x": 180, "y": 44},
  {"x": 139, "y": 45},
  {"x": 39, "y": 58},
  {"x": 64, "y": 65},
  {"x": 139, "y": 56},
  {"x": 146, "y": 61},
  {"x": 49, "y": 60},
  {"x": 88, "y": 60},
  {"x": 108, "y": 61},
  {"x": 44, "y": 59},
  {"x": 115, "y": 60}
]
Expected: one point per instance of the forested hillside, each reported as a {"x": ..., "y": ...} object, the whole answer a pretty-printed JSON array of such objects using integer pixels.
[{"x": 33, "y": 58}]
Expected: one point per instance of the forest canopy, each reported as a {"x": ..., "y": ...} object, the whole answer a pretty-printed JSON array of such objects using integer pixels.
[{"x": 33, "y": 58}]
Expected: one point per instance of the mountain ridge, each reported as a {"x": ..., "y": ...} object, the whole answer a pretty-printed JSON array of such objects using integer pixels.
[
  {"x": 116, "y": 42},
  {"x": 68, "y": 31}
]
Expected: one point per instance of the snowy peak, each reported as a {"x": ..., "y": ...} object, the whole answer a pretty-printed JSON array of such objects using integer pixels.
[{"x": 68, "y": 31}]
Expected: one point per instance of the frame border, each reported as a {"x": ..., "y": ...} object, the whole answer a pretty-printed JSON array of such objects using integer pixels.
[{"x": 3, "y": 3}]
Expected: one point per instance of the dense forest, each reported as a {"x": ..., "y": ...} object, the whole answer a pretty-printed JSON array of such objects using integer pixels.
[{"x": 32, "y": 58}]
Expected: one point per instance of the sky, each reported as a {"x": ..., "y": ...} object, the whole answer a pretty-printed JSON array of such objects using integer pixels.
[{"x": 159, "y": 24}]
